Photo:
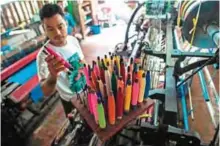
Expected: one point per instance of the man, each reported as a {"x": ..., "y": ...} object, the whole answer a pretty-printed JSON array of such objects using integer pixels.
[{"x": 51, "y": 70}]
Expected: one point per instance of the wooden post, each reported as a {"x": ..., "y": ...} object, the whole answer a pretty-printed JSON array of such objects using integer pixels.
[
  {"x": 23, "y": 11},
  {"x": 16, "y": 10},
  {"x": 81, "y": 18},
  {"x": 12, "y": 14},
  {"x": 32, "y": 7},
  {"x": 6, "y": 16}
]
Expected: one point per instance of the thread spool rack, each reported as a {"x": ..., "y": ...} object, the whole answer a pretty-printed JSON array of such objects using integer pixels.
[{"x": 110, "y": 130}]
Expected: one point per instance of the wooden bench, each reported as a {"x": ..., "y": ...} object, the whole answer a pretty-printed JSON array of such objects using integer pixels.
[
  {"x": 16, "y": 98},
  {"x": 7, "y": 87},
  {"x": 23, "y": 91}
]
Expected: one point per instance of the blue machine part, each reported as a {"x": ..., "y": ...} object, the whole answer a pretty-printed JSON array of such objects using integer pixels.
[
  {"x": 216, "y": 65},
  {"x": 147, "y": 86},
  {"x": 25, "y": 74},
  {"x": 37, "y": 94},
  {"x": 184, "y": 107},
  {"x": 6, "y": 34},
  {"x": 203, "y": 85},
  {"x": 5, "y": 48},
  {"x": 207, "y": 98}
]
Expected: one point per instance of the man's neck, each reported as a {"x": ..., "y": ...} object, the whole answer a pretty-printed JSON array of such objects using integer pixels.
[{"x": 58, "y": 45}]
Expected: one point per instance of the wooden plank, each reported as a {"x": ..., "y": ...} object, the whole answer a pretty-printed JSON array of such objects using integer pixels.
[
  {"x": 16, "y": 10},
  {"x": 3, "y": 21},
  {"x": 110, "y": 130},
  {"x": 9, "y": 90},
  {"x": 5, "y": 85},
  {"x": 18, "y": 65},
  {"x": 23, "y": 11},
  {"x": 32, "y": 7},
  {"x": 81, "y": 19},
  {"x": 36, "y": 6},
  {"x": 12, "y": 13},
  {"x": 81, "y": 8},
  {"x": 27, "y": 11},
  {"x": 5, "y": 16},
  {"x": 21, "y": 92},
  {"x": 40, "y": 4},
  {"x": 26, "y": 4}
]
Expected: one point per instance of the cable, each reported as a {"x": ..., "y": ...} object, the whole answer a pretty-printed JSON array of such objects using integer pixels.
[{"x": 206, "y": 63}]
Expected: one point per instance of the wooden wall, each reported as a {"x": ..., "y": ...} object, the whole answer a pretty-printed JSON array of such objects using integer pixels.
[{"x": 19, "y": 12}]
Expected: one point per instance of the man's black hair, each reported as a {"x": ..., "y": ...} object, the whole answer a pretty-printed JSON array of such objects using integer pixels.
[
  {"x": 59, "y": 1},
  {"x": 50, "y": 10}
]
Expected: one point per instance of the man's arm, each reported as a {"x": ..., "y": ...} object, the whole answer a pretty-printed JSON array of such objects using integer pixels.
[
  {"x": 55, "y": 65},
  {"x": 48, "y": 85}
]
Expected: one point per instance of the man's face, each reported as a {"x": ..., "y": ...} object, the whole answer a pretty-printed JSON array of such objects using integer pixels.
[{"x": 56, "y": 29}]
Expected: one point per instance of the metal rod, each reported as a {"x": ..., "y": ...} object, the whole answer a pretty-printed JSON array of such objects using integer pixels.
[
  {"x": 177, "y": 40},
  {"x": 216, "y": 137},
  {"x": 153, "y": 74},
  {"x": 190, "y": 102},
  {"x": 184, "y": 108},
  {"x": 210, "y": 82},
  {"x": 195, "y": 24},
  {"x": 206, "y": 97},
  {"x": 156, "y": 111},
  {"x": 207, "y": 62}
]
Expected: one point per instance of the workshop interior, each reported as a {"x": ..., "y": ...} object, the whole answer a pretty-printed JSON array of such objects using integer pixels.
[{"x": 151, "y": 76}]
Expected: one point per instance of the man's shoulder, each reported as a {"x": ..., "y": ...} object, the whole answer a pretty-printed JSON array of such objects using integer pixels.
[
  {"x": 72, "y": 39},
  {"x": 40, "y": 54}
]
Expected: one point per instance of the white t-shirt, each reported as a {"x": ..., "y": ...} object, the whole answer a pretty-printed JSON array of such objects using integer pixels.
[{"x": 71, "y": 48}]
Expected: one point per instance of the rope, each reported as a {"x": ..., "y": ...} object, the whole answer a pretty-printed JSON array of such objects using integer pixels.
[
  {"x": 178, "y": 19},
  {"x": 195, "y": 21}
]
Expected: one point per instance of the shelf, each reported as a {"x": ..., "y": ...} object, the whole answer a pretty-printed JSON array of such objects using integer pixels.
[
  {"x": 87, "y": 31},
  {"x": 88, "y": 21},
  {"x": 85, "y": 4},
  {"x": 87, "y": 12},
  {"x": 111, "y": 130}
]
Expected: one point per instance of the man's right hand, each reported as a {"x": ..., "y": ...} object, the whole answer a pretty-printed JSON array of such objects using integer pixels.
[{"x": 55, "y": 65}]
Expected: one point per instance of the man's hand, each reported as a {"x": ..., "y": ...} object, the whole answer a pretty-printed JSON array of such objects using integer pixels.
[{"x": 55, "y": 65}]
